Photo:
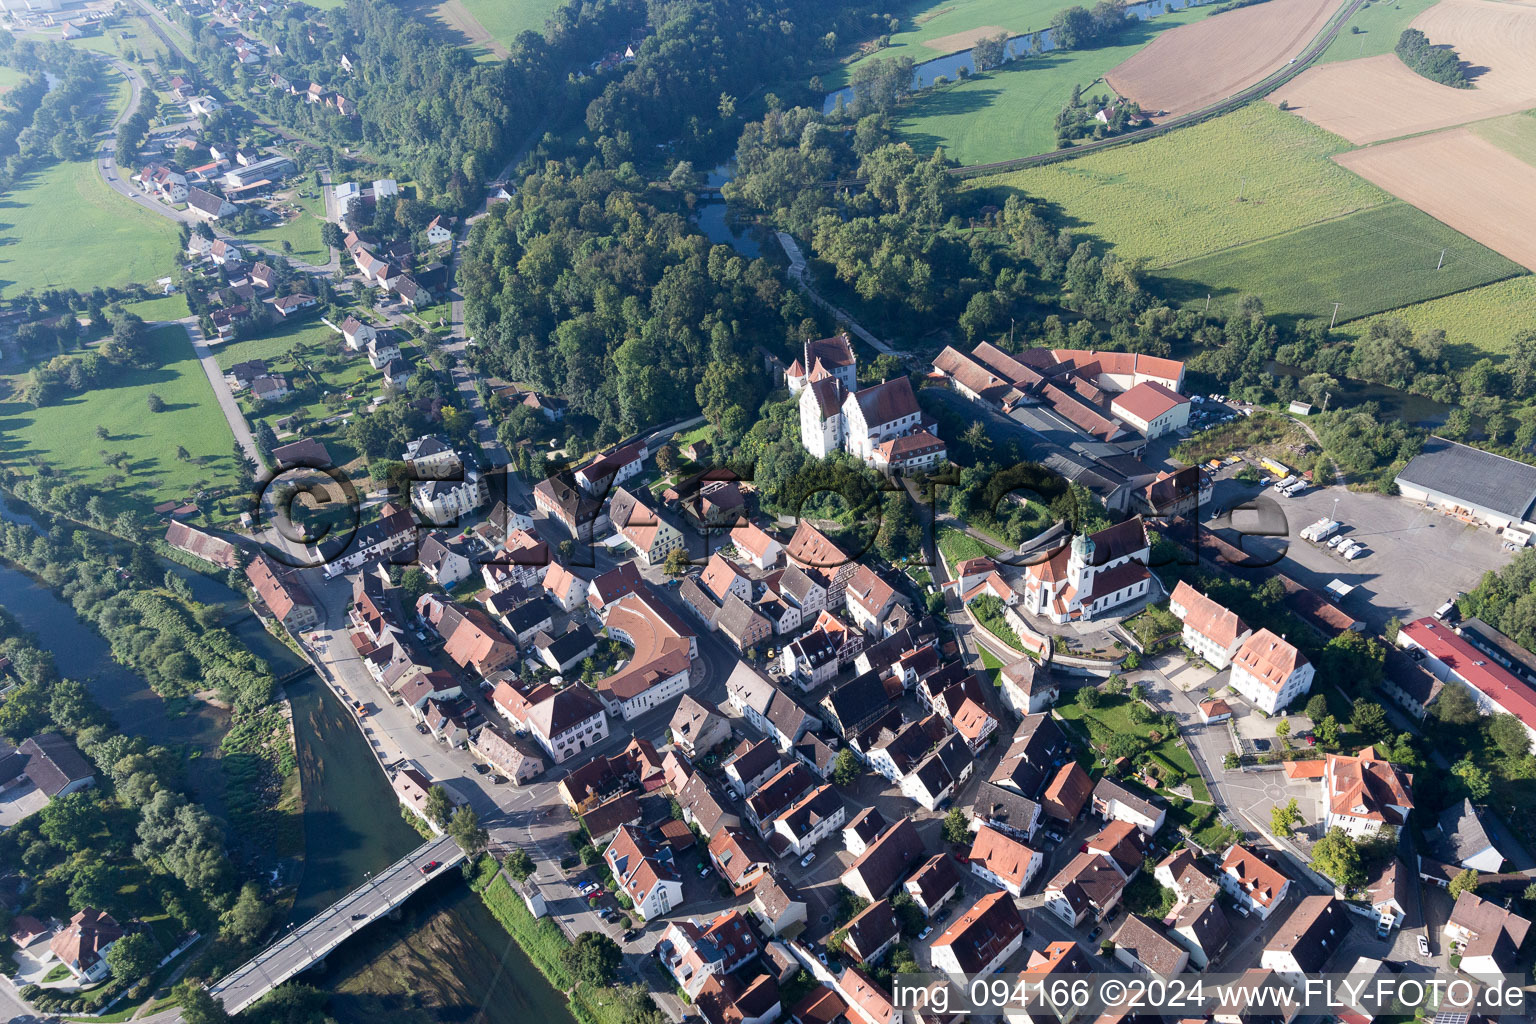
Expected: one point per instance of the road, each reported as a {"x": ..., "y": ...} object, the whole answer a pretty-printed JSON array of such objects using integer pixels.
[{"x": 297, "y": 950}]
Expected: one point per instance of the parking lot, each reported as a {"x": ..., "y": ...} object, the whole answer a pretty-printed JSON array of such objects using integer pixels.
[{"x": 1416, "y": 558}]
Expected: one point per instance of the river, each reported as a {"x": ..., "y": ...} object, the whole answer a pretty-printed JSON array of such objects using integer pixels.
[
  {"x": 447, "y": 959},
  {"x": 948, "y": 67}
]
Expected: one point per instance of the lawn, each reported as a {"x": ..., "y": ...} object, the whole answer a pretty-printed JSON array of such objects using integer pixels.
[
  {"x": 1515, "y": 134},
  {"x": 10, "y": 78},
  {"x": 505, "y": 19},
  {"x": 1380, "y": 23},
  {"x": 64, "y": 228},
  {"x": 957, "y": 546},
  {"x": 63, "y": 435},
  {"x": 939, "y": 19},
  {"x": 1011, "y": 112},
  {"x": 1247, "y": 175},
  {"x": 165, "y": 307},
  {"x": 126, "y": 34},
  {"x": 992, "y": 663},
  {"x": 1112, "y": 718},
  {"x": 302, "y": 232},
  {"x": 275, "y": 345},
  {"x": 1477, "y": 322},
  {"x": 1368, "y": 262}
]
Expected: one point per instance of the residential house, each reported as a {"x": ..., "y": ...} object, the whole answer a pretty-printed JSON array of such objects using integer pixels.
[
  {"x": 1487, "y": 935},
  {"x": 1256, "y": 886},
  {"x": 518, "y": 763},
  {"x": 1306, "y": 940},
  {"x": 439, "y": 230},
  {"x": 933, "y": 884},
  {"x": 1387, "y": 888},
  {"x": 742, "y": 624},
  {"x": 568, "y": 721},
  {"x": 611, "y": 469},
  {"x": 1028, "y": 688},
  {"x": 1067, "y": 793},
  {"x": 767, "y": 708},
  {"x": 82, "y": 945},
  {"x": 1089, "y": 886},
  {"x": 887, "y": 862},
  {"x": 383, "y": 349},
  {"x": 644, "y": 873},
  {"x": 751, "y": 765},
  {"x": 811, "y": 659},
  {"x": 1003, "y": 860},
  {"x": 1211, "y": 631},
  {"x": 1005, "y": 810},
  {"x": 780, "y": 908},
  {"x": 1460, "y": 839},
  {"x": 1113, "y": 801},
  {"x": 652, "y": 537},
  {"x": 867, "y": 825},
  {"x": 757, "y": 547},
  {"x": 695, "y": 954},
  {"x": 695, "y": 729},
  {"x": 51, "y": 764},
  {"x": 568, "y": 590},
  {"x": 1200, "y": 926},
  {"x": 287, "y": 305},
  {"x": 446, "y": 562},
  {"x": 1269, "y": 672},
  {"x": 980, "y": 940},
  {"x": 806, "y": 822},
  {"x": 208, "y": 206},
  {"x": 1143, "y": 948},
  {"x": 604, "y": 820},
  {"x": 1362, "y": 793},
  {"x": 271, "y": 387},
  {"x": 704, "y": 807},
  {"x": 869, "y": 599},
  {"x": 580, "y": 513},
  {"x": 871, "y": 933},
  {"x": 283, "y": 593},
  {"x": 739, "y": 857}
]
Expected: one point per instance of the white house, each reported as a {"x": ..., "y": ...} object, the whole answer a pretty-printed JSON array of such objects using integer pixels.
[
  {"x": 1256, "y": 887},
  {"x": 1028, "y": 689},
  {"x": 644, "y": 873},
  {"x": 1269, "y": 672},
  {"x": 357, "y": 333},
  {"x": 1362, "y": 793},
  {"x": 1152, "y": 408},
  {"x": 831, "y": 356},
  {"x": 567, "y": 721},
  {"x": 1003, "y": 861},
  {"x": 982, "y": 939},
  {"x": 1210, "y": 630},
  {"x": 438, "y": 230},
  {"x": 1114, "y": 802}
]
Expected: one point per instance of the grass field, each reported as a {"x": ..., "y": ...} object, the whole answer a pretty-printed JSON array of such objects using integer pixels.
[
  {"x": 1368, "y": 262},
  {"x": 10, "y": 78},
  {"x": 1011, "y": 112},
  {"x": 166, "y": 307},
  {"x": 127, "y": 33},
  {"x": 1112, "y": 718},
  {"x": 63, "y": 435},
  {"x": 1478, "y": 322},
  {"x": 1380, "y": 23},
  {"x": 957, "y": 547},
  {"x": 274, "y": 346},
  {"x": 506, "y": 19},
  {"x": 303, "y": 231},
  {"x": 1515, "y": 134},
  {"x": 927, "y": 22},
  {"x": 1247, "y": 175},
  {"x": 64, "y": 228}
]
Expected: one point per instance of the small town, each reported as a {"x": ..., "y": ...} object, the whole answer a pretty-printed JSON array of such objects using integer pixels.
[{"x": 889, "y": 512}]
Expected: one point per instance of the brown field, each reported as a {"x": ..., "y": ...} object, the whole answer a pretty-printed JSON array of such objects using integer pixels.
[
  {"x": 957, "y": 41},
  {"x": 1461, "y": 180},
  {"x": 1195, "y": 65},
  {"x": 1379, "y": 98}
]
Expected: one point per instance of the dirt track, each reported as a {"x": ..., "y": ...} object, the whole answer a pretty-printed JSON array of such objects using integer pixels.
[
  {"x": 1378, "y": 98},
  {"x": 1461, "y": 180},
  {"x": 1195, "y": 65}
]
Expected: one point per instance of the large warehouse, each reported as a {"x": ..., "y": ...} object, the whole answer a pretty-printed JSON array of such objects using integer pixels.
[{"x": 1474, "y": 484}]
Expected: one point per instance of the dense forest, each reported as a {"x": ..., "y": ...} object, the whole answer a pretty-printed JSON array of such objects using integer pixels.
[{"x": 38, "y": 125}]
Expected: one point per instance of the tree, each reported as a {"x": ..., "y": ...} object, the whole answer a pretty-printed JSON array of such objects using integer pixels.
[
  {"x": 593, "y": 957},
  {"x": 519, "y": 865},
  {"x": 248, "y": 917},
  {"x": 1317, "y": 708},
  {"x": 1283, "y": 728},
  {"x": 472, "y": 837},
  {"x": 132, "y": 956},
  {"x": 1475, "y": 778},
  {"x": 846, "y": 767},
  {"x": 1123, "y": 744},
  {"x": 1337, "y": 856},
  {"x": 1284, "y": 818},
  {"x": 1089, "y": 697},
  {"x": 198, "y": 1006},
  {"x": 666, "y": 457},
  {"x": 677, "y": 562},
  {"x": 73, "y": 821},
  {"x": 1369, "y": 719},
  {"x": 156, "y": 403},
  {"x": 438, "y": 806},
  {"x": 1232, "y": 762},
  {"x": 1328, "y": 730},
  {"x": 1465, "y": 882},
  {"x": 909, "y": 916},
  {"x": 1114, "y": 686},
  {"x": 1456, "y": 705},
  {"x": 957, "y": 827},
  {"x": 1510, "y": 735}
]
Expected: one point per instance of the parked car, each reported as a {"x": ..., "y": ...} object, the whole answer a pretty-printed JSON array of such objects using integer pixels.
[
  {"x": 927, "y": 931},
  {"x": 1423, "y": 946},
  {"x": 1358, "y": 551},
  {"x": 805, "y": 861},
  {"x": 1095, "y": 933},
  {"x": 1336, "y": 540},
  {"x": 703, "y": 870}
]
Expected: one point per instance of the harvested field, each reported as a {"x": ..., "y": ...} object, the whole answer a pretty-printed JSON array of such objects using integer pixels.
[
  {"x": 1462, "y": 180},
  {"x": 957, "y": 41},
  {"x": 1200, "y": 64},
  {"x": 1378, "y": 98},
  {"x": 1515, "y": 135}
]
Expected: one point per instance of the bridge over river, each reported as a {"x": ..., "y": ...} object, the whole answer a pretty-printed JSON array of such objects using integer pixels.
[{"x": 308, "y": 944}]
